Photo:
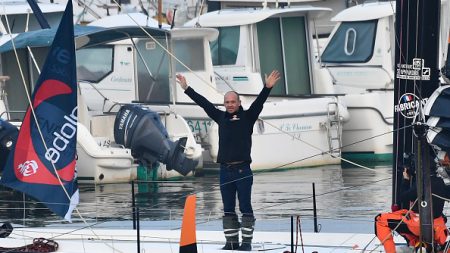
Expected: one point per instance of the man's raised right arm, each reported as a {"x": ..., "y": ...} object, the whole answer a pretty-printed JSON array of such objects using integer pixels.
[{"x": 209, "y": 108}]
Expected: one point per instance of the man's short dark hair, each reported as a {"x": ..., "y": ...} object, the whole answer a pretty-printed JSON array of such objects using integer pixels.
[{"x": 237, "y": 94}]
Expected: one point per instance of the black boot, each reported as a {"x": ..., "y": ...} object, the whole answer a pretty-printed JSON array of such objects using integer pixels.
[
  {"x": 247, "y": 228},
  {"x": 231, "y": 230}
]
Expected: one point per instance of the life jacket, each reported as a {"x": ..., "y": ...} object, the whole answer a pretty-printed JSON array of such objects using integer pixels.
[{"x": 408, "y": 226}]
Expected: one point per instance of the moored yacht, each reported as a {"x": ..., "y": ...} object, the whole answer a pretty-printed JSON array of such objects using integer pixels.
[
  {"x": 304, "y": 126},
  {"x": 100, "y": 157},
  {"x": 359, "y": 58}
]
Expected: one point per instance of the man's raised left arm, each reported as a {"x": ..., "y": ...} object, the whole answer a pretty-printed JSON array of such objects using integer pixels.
[{"x": 270, "y": 81}]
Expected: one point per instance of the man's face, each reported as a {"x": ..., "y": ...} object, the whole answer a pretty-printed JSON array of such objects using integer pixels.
[{"x": 231, "y": 102}]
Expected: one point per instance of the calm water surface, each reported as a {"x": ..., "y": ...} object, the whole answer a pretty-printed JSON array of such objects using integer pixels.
[{"x": 342, "y": 194}]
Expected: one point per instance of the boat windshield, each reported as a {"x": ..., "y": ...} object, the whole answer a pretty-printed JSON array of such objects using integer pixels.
[
  {"x": 153, "y": 71},
  {"x": 224, "y": 50},
  {"x": 353, "y": 42},
  {"x": 191, "y": 53},
  {"x": 94, "y": 64}
]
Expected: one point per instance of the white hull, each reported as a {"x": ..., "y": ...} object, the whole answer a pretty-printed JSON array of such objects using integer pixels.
[
  {"x": 288, "y": 138},
  {"x": 101, "y": 164},
  {"x": 278, "y": 150},
  {"x": 369, "y": 129},
  {"x": 105, "y": 162},
  {"x": 161, "y": 241}
]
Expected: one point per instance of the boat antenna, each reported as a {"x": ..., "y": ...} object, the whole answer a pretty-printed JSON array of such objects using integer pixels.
[
  {"x": 141, "y": 4},
  {"x": 173, "y": 17},
  {"x": 160, "y": 14}
]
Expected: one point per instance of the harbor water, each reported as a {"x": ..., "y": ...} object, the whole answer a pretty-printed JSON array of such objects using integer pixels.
[{"x": 346, "y": 198}]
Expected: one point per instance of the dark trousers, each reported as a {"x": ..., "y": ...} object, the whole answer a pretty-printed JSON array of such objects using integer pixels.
[{"x": 236, "y": 179}]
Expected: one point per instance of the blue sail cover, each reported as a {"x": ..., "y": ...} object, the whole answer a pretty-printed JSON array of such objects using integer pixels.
[
  {"x": 46, "y": 171},
  {"x": 85, "y": 36},
  {"x": 438, "y": 108}
]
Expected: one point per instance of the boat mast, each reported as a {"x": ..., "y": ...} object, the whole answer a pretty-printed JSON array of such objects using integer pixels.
[
  {"x": 417, "y": 76},
  {"x": 424, "y": 197}
]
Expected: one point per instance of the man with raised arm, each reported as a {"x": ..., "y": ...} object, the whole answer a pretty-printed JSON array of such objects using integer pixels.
[{"x": 235, "y": 143}]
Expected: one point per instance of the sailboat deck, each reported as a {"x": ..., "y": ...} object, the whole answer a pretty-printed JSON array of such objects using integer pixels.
[{"x": 161, "y": 241}]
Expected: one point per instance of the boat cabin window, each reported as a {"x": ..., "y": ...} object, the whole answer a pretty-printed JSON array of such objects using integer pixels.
[
  {"x": 15, "y": 90},
  {"x": 191, "y": 53},
  {"x": 152, "y": 71},
  {"x": 353, "y": 42},
  {"x": 23, "y": 22},
  {"x": 224, "y": 50},
  {"x": 283, "y": 45},
  {"x": 94, "y": 64}
]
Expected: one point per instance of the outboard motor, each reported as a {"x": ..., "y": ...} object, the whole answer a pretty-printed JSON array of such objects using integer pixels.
[
  {"x": 141, "y": 130},
  {"x": 8, "y": 136}
]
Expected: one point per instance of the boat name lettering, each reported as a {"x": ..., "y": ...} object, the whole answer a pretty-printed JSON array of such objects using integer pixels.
[
  {"x": 119, "y": 79},
  {"x": 104, "y": 143},
  {"x": 62, "y": 138},
  {"x": 294, "y": 127},
  {"x": 351, "y": 73},
  {"x": 199, "y": 126},
  {"x": 408, "y": 105},
  {"x": 415, "y": 71}
]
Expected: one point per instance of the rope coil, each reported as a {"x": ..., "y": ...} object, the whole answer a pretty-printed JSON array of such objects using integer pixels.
[{"x": 38, "y": 245}]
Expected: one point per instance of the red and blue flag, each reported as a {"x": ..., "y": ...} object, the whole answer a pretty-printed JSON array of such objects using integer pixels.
[
  {"x": 42, "y": 163},
  {"x": 407, "y": 98}
]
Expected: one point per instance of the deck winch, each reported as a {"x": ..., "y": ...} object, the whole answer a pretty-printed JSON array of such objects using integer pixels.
[{"x": 140, "y": 129}]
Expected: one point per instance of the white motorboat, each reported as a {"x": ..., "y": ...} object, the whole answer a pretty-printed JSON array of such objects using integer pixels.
[
  {"x": 359, "y": 57},
  {"x": 304, "y": 126},
  {"x": 100, "y": 159}
]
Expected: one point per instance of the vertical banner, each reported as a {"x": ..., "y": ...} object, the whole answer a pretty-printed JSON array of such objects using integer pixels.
[{"x": 42, "y": 163}]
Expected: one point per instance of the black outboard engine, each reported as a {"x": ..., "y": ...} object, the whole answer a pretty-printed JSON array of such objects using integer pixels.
[
  {"x": 141, "y": 130},
  {"x": 8, "y": 136}
]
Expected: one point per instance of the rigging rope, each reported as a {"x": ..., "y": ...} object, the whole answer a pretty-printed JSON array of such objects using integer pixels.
[{"x": 299, "y": 232}]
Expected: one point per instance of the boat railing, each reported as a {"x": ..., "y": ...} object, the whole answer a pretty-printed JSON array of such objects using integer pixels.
[{"x": 303, "y": 96}]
